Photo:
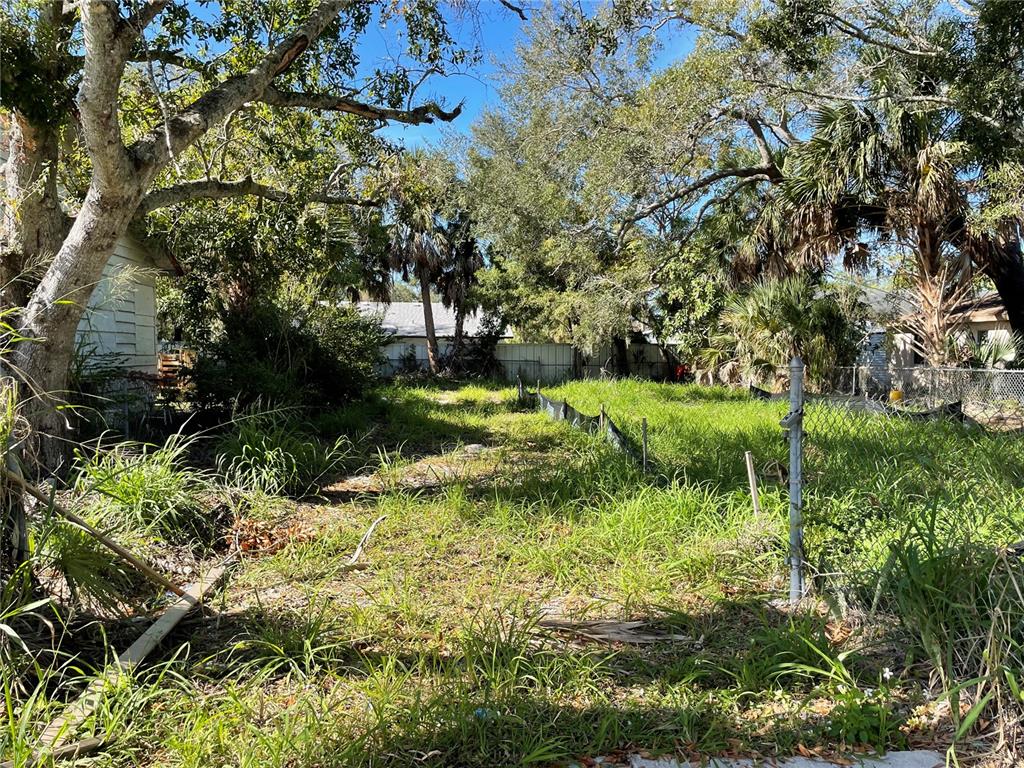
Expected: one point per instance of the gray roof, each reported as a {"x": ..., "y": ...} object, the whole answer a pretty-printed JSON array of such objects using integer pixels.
[
  {"x": 884, "y": 304},
  {"x": 405, "y": 318}
]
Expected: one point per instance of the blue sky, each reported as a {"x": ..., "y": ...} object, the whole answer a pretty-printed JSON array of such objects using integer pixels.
[{"x": 495, "y": 31}]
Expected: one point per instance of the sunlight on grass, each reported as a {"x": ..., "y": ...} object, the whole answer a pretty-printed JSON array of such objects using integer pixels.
[{"x": 438, "y": 652}]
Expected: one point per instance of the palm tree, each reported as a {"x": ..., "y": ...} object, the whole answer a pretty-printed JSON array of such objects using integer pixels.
[
  {"x": 888, "y": 176},
  {"x": 762, "y": 329},
  {"x": 417, "y": 249},
  {"x": 463, "y": 259}
]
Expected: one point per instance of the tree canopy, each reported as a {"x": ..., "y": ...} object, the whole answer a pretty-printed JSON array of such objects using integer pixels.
[{"x": 648, "y": 157}]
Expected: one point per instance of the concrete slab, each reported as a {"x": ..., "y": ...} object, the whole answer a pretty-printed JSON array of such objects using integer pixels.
[{"x": 915, "y": 759}]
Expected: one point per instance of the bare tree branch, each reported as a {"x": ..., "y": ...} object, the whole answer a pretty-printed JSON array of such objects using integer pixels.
[
  {"x": 759, "y": 173},
  {"x": 864, "y": 36},
  {"x": 685, "y": 238},
  {"x": 425, "y": 113},
  {"x": 152, "y": 152},
  {"x": 174, "y": 59},
  {"x": 215, "y": 189},
  {"x": 142, "y": 17},
  {"x": 767, "y": 156},
  {"x": 936, "y": 100},
  {"x": 515, "y": 9}
]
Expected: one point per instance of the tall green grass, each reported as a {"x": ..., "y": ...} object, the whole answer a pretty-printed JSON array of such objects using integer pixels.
[
  {"x": 910, "y": 519},
  {"x": 274, "y": 452},
  {"x": 148, "y": 490},
  {"x": 435, "y": 654}
]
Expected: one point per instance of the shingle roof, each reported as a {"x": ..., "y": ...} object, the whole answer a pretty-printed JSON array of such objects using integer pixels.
[{"x": 405, "y": 318}]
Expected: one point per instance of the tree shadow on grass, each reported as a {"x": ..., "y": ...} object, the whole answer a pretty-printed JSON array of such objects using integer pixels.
[{"x": 502, "y": 692}]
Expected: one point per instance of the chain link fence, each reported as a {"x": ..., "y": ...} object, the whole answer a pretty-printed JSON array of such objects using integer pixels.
[
  {"x": 872, "y": 459},
  {"x": 991, "y": 397}
]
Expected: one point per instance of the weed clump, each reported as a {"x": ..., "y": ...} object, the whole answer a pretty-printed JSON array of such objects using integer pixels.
[
  {"x": 272, "y": 453},
  {"x": 148, "y": 491}
]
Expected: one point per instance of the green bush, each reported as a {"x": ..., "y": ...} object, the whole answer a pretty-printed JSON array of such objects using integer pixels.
[
  {"x": 271, "y": 453},
  {"x": 319, "y": 356},
  {"x": 148, "y": 490}
]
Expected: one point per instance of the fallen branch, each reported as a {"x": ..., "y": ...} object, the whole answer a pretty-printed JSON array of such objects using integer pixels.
[
  {"x": 56, "y": 734},
  {"x": 141, "y": 565},
  {"x": 611, "y": 631},
  {"x": 363, "y": 541},
  {"x": 67, "y": 752}
]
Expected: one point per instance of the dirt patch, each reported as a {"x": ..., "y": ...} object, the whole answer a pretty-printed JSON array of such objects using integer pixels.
[{"x": 471, "y": 463}]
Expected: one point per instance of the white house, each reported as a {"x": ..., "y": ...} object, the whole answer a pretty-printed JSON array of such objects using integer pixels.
[
  {"x": 531, "y": 361},
  {"x": 985, "y": 318},
  {"x": 118, "y": 327},
  {"x": 404, "y": 320}
]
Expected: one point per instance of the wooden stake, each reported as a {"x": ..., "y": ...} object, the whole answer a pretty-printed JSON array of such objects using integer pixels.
[
  {"x": 752, "y": 477},
  {"x": 61, "y": 729},
  {"x": 643, "y": 435},
  {"x": 141, "y": 565},
  {"x": 353, "y": 561}
]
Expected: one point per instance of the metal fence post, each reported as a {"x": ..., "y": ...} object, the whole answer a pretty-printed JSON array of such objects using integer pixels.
[{"x": 794, "y": 421}]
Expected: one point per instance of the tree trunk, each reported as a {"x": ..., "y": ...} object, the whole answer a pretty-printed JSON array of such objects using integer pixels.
[
  {"x": 577, "y": 363},
  {"x": 33, "y": 224},
  {"x": 1005, "y": 268},
  {"x": 428, "y": 322},
  {"x": 621, "y": 356},
  {"x": 52, "y": 315},
  {"x": 459, "y": 337}
]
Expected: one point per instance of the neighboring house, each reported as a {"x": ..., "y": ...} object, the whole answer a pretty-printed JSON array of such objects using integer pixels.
[
  {"x": 118, "y": 327},
  {"x": 887, "y": 346},
  {"x": 883, "y": 347},
  {"x": 545, "y": 361},
  {"x": 984, "y": 318},
  {"x": 404, "y": 320}
]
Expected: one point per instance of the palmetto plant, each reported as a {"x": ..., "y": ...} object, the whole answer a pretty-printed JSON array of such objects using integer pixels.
[
  {"x": 884, "y": 178},
  {"x": 759, "y": 331},
  {"x": 995, "y": 351}
]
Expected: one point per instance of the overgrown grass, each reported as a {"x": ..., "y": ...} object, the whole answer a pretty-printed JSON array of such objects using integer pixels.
[
  {"x": 274, "y": 452},
  {"x": 146, "y": 490},
  {"x": 460, "y": 643}
]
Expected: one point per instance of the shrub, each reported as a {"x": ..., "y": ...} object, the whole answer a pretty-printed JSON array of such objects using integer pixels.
[
  {"x": 148, "y": 490},
  {"x": 319, "y": 355},
  {"x": 270, "y": 452}
]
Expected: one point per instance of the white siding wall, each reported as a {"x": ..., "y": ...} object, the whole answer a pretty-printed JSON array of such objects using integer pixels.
[{"x": 118, "y": 327}]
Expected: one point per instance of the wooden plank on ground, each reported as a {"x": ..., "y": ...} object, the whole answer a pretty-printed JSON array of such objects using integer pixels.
[{"x": 57, "y": 733}]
